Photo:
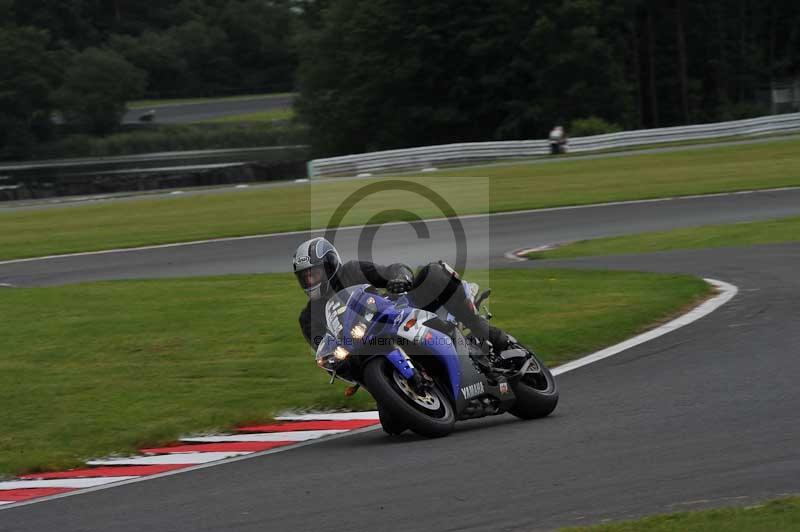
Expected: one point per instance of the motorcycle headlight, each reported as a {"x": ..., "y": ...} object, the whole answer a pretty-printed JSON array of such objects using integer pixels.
[
  {"x": 358, "y": 331},
  {"x": 341, "y": 353}
]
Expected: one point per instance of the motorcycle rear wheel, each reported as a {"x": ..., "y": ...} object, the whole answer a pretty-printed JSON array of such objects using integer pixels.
[
  {"x": 433, "y": 421},
  {"x": 536, "y": 392}
]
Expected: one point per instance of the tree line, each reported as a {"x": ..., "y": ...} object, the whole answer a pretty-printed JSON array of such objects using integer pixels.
[
  {"x": 83, "y": 59},
  {"x": 378, "y": 74},
  {"x": 383, "y": 74}
]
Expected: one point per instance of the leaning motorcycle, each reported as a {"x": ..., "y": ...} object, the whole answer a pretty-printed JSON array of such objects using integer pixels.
[{"x": 423, "y": 370}]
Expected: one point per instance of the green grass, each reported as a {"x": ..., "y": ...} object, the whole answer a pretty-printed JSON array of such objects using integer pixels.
[
  {"x": 88, "y": 370},
  {"x": 270, "y": 115},
  {"x": 142, "y": 104},
  {"x": 513, "y": 187},
  {"x": 774, "y": 516},
  {"x": 684, "y": 143},
  {"x": 710, "y": 236}
]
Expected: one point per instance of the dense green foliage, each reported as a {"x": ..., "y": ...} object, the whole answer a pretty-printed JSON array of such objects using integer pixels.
[
  {"x": 83, "y": 59},
  {"x": 391, "y": 73},
  {"x": 28, "y": 74},
  {"x": 188, "y": 47},
  {"x": 173, "y": 138},
  {"x": 584, "y": 127},
  {"x": 96, "y": 86},
  {"x": 377, "y": 74}
]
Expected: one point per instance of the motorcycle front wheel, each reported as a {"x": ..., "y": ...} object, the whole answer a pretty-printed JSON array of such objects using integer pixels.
[{"x": 429, "y": 415}]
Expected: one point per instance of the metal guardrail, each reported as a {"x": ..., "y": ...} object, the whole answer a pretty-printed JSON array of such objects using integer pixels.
[
  {"x": 57, "y": 177},
  {"x": 415, "y": 159},
  {"x": 150, "y": 160}
]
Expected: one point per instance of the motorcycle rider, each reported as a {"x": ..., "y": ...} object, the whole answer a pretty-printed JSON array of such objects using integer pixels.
[
  {"x": 558, "y": 140},
  {"x": 321, "y": 273}
]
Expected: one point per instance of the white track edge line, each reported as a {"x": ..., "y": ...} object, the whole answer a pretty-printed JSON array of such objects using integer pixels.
[
  {"x": 295, "y": 435},
  {"x": 727, "y": 292},
  {"x": 69, "y": 483},
  {"x": 351, "y": 227},
  {"x": 328, "y": 416}
]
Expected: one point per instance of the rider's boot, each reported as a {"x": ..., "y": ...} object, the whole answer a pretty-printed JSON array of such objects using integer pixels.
[
  {"x": 496, "y": 337},
  {"x": 464, "y": 311}
]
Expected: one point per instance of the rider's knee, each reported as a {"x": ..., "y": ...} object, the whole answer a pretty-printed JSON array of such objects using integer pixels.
[
  {"x": 436, "y": 283},
  {"x": 434, "y": 273}
]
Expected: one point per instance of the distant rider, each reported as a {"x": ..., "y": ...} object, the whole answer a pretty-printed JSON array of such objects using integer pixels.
[
  {"x": 558, "y": 140},
  {"x": 320, "y": 271}
]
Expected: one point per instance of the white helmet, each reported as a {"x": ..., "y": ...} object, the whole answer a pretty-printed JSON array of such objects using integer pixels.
[{"x": 315, "y": 263}]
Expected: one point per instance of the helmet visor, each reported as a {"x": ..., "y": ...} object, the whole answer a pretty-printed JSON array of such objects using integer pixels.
[{"x": 311, "y": 277}]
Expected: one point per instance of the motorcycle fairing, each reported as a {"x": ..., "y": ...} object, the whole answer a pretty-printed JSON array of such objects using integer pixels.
[{"x": 381, "y": 317}]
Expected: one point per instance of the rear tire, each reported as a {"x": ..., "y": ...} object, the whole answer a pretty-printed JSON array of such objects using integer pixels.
[
  {"x": 536, "y": 392},
  {"x": 401, "y": 409}
]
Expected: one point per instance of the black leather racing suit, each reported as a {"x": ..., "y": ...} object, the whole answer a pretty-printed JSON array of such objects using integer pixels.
[{"x": 435, "y": 285}]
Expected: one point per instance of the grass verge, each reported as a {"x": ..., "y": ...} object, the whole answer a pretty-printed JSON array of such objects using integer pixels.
[
  {"x": 514, "y": 187},
  {"x": 780, "y": 515},
  {"x": 270, "y": 115},
  {"x": 88, "y": 370},
  {"x": 710, "y": 236},
  {"x": 143, "y": 104},
  {"x": 687, "y": 143}
]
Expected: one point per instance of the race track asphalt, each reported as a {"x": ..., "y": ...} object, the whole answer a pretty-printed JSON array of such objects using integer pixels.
[
  {"x": 184, "y": 113},
  {"x": 704, "y": 416},
  {"x": 488, "y": 238}
]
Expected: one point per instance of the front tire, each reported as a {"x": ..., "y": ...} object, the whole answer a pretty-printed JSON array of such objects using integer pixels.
[
  {"x": 536, "y": 392},
  {"x": 390, "y": 425},
  {"x": 431, "y": 416}
]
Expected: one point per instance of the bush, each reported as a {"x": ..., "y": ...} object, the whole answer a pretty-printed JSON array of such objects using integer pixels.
[
  {"x": 174, "y": 138},
  {"x": 28, "y": 74},
  {"x": 741, "y": 111},
  {"x": 96, "y": 86},
  {"x": 586, "y": 127}
]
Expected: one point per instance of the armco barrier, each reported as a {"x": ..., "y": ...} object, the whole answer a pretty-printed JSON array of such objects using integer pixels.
[
  {"x": 414, "y": 159},
  {"x": 38, "y": 179}
]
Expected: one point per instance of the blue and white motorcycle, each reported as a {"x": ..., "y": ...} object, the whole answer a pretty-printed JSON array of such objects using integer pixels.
[{"x": 422, "y": 369}]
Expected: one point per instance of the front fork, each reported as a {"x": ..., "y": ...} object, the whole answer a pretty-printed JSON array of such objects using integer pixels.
[{"x": 405, "y": 367}]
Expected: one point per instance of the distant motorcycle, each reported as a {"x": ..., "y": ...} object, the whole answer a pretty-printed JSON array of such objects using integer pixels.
[
  {"x": 421, "y": 368},
  {"x": 558, "y": 141},
  {"x": 557, "y": 147}
]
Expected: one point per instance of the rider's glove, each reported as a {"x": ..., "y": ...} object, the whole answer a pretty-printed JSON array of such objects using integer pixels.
[{"x": 399, "y": 284}]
